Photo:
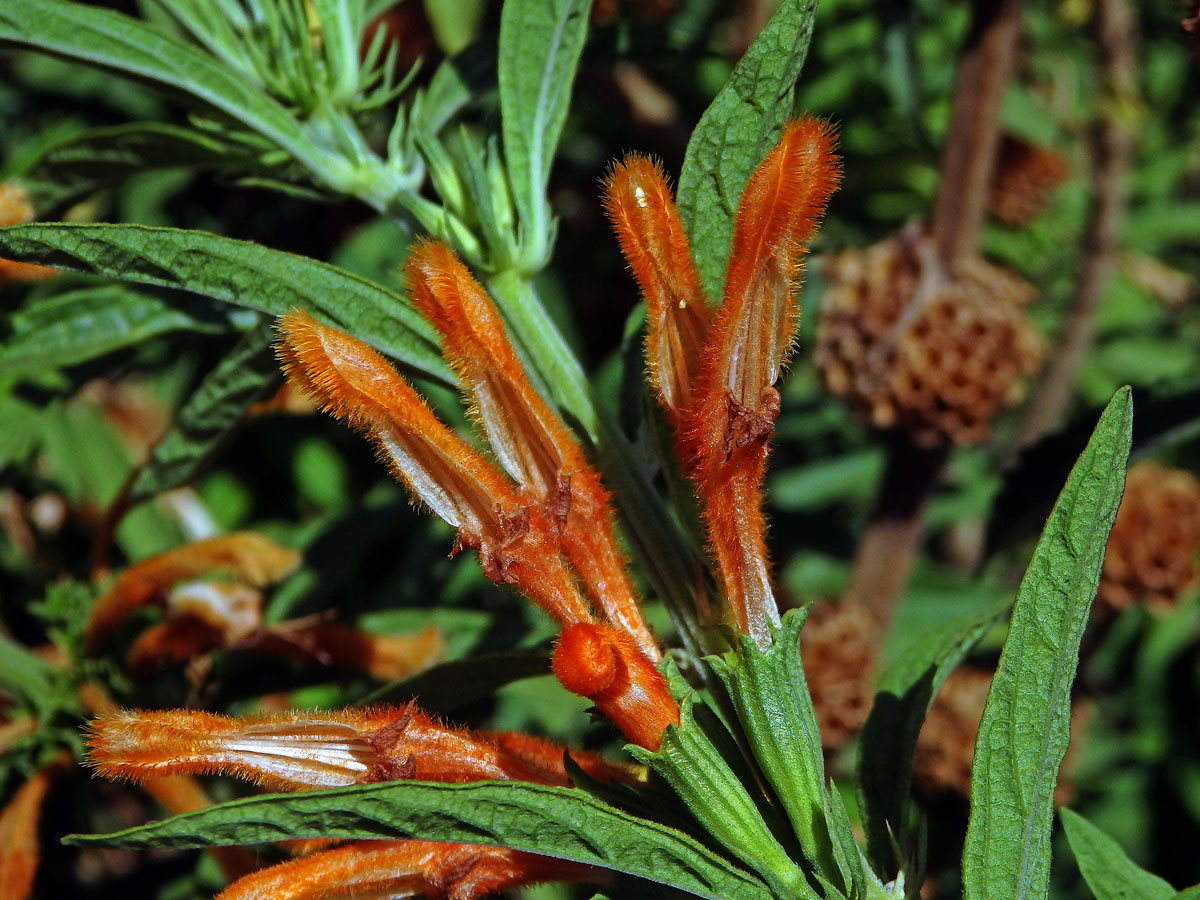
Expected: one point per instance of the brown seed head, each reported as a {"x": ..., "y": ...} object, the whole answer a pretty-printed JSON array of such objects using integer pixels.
[
  {"x": 838, "y": 645},
  {"x": 1152, "y": 550},
  {"x": 914, "y": 349}
]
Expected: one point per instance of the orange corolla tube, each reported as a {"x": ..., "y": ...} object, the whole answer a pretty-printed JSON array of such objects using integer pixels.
[
  {"x": 516, "y": 542},
  {"x": 245, "y": 555},
  {"x": 301, "y": 750},
  {"x": 529, "y": 439},
  {"x": 18, "y": 835},
  {"x": 601, "y": 663},
  {"x": 407, "y": 869},
  {"x": 734, "y": 402},
  {"x": 639, "y": 204}
]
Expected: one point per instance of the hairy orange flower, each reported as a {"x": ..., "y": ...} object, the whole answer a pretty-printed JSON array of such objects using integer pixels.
[
  {"x": 406, "y": 869},
  {"x": 716, "y": 380},
  {"x": 300, "y": 750},
  {"x": 516, "y": 543},
  {"x": 602, "y": 663},
  {"x": 638, "y": 201},
  {"x": 529, "y": 439},
  {"x": 18, "y": 835}
]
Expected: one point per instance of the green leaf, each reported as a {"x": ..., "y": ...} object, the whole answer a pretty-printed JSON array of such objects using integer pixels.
[
  {"x": 701, "y": 777},
  {"x": 71, "y": 328},
  {"x": 558, "y": 822},
  {"x": 736, "y": 131},
  {"x": 114, "y": 41},
  {"x": 1026, "y": 722},
  {"x": 770, "y": 694},
  {"x": 238, "y": 272},
  {"x": 27, "y": 676},
  {"x": 1107, "y": 870},
  {"x": 69, "y": 170},
  {"x": 889, "y": 738},
  {"x": 540, "y": 44},
  {"x": 210, "y": 414}
]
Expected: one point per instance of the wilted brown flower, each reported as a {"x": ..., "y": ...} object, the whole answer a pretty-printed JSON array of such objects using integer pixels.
[
  {"x": 914, "y": 348},
  {"x": 1151, "y": 556}
]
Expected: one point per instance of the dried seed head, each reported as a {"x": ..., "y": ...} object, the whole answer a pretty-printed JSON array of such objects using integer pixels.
[
  {"x": 1152, "y": 551},
  {"x": 839, "y": 646},
  {"x": 1026, "y": 175},
  {"x": 911, "y": 349}
]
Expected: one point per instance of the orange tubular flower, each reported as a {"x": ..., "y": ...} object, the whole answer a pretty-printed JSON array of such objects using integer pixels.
[
  {"x": 516, "y": 543},
  {"x": 300, "y": 750},
  {"x": 18, "y": 835},
  {"x": 247, "y": 556},
  {"x": 530, "y": 441},
  {"x": 734, "y": 401},
  {"x": 406, "y": 869},
  {"x": 639, "y": 205},
  {"x": 716, "y": 381}
]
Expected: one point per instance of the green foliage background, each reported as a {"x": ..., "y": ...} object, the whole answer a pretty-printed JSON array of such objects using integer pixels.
[{"x": 882, "y": 71}]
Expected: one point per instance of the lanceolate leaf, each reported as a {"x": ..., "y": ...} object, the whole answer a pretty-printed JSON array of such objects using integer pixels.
[
  {"x": 1026, "y": 722},
  {"x": 80, "y": 325},
  {"x": 237, "y": 272},
  {"x": 735, "y": 133},
  {"x": 97, "y": 157},
  {"x": 111, "y": 40},
  {"x": 559, "y": 822},
  {"x": 1109, "y": 873},
  {"x": 540, "y": 43},
  {"x": 889, "y": 737},
  {"x": 210, "y": 414}
]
